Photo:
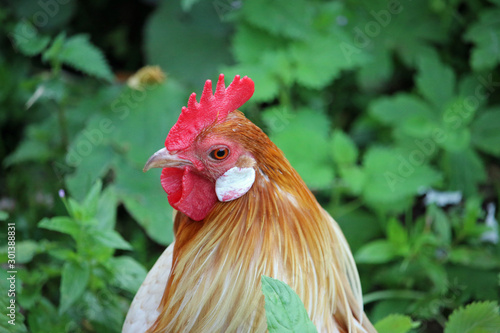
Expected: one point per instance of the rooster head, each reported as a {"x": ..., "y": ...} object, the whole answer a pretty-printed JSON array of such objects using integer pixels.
[{"x": 200, "y": 165}]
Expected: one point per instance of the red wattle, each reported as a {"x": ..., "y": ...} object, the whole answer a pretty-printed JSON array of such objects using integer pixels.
[{"x": 188, "y": 192}]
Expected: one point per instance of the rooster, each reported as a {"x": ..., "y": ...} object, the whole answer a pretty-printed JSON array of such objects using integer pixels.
[{"x": 242, "y": 211}]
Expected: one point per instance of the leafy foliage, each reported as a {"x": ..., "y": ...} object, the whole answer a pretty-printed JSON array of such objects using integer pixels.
[
  {"x": 373, "y": 102},
  {"x": 476, "y": 317},
  {"x": 285, "y": 311}
]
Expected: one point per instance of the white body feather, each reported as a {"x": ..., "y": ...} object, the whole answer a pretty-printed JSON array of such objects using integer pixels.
[{"x": 144, "y": 308}]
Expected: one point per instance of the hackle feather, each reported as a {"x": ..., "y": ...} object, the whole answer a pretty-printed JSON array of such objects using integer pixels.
[{"x": 277, "y": 229}]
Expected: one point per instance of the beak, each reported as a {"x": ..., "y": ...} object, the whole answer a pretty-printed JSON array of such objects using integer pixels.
[{"x": 164, "y": 159}]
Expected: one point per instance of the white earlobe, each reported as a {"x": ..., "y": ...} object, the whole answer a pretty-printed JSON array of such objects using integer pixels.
[{"x": 234, "y": 183}]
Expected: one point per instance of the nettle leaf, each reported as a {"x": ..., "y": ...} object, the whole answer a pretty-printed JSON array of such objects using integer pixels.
[
  {"x": 485, "y": 132},
  {"x": 485, "y": 34},
  {"x": 285, "y": 311},
  {"x": 319, "y": 59},
  {"x": 344, "y": 149},
  {"x": 298, "y": 135},
  {"x": 26, "y": 39},
  {"x": 476, "y": 317},
  {"x": 393, "y": 177},
  {"x": 79, "y": 53},
  {"x": 435, "y": 80},
  {"x": 74, "y": 279},
  {"x": 395, "y": 323},
  {"x": 281, "y": 19},
  {"x": 406, "y": 113}
]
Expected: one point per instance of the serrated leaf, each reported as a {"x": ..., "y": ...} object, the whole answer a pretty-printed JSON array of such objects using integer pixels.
[
  {"x": 345, "y": 151},
  {"x": 485, "y": 34},
  {"x": 394, "y": 323},
  {"x": 393, "y": 177},
  {"x": 478, "y": 317},
  {"x": 74, "y": 279},
  {"x": 329, "y": 59},
  {"x": 376, "y": 252},
  {"x": 435, "y": 81},
  {"x": 27, "y": 40},
  {"x": 485, "y": 131},
  {"x": 285, "y": 311},
  {"x": 79, "y": 53},
  {"x": 406, "y": 113}
]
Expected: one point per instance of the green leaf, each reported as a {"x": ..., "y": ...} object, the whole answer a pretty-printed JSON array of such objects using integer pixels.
[
  {"x": 329, "y": 59},
  {"x": 26, "y": 250},
  {"x": 297, "y": 134},
  {"x": 128, "y": 274},
  {"x": 62, "y": 224},
  {"x": 485, "y": 133},
  {"x": 27, "y": 40},
  {"x": 89, "y": 205},
  {"x": 435, "y": 81},
  {"x": 480, "y": 317},
  {"x": 79, "y": 53},
  {"x": 285, "y": 311},
  {"x": 345, "y": 151},
  {"x": 174, "y": 39},
  {"x": 146, "y": 201},
  {"x": 111, "y": 239},
  {"x": 485, "y": 34},
  {"x": 354, "y": 178},
  {"x": 3, "y": 215},
  {"x": 464, "y": 170},
  {"x": 397, "y": 234},
  {"x": 406, "y": 113},
  {"x": 281, "y": 19},
  {"x": 393, "y": 177},
  {"x": 395, "y": 323},
  {"x": 376, "y": 252},
  {"x": 440, "y": 223},
  {"x": 74, "y": 279}
]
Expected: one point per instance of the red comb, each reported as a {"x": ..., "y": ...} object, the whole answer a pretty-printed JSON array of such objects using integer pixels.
[{"x": 211, "y": 108}]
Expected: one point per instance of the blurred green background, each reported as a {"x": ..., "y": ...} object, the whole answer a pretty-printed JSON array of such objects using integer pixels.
[{"x": 389, "y": 110}]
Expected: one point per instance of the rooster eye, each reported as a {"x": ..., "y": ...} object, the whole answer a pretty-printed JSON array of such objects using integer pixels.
[{"x": 219, "y": 153}]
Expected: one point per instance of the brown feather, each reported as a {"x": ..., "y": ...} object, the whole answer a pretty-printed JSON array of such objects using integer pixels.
[{"x": 277, "y": 229}]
